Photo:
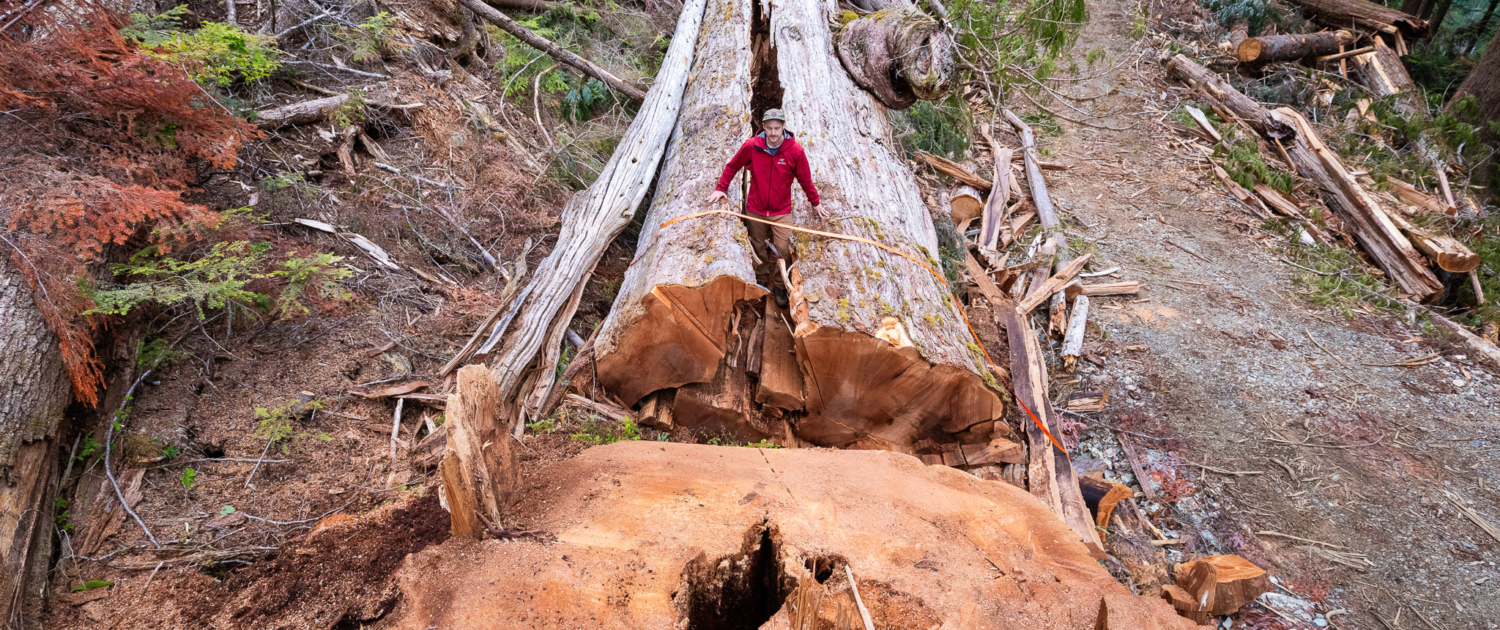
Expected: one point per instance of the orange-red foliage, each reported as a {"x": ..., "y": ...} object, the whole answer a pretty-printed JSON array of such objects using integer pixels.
[{"x": 98, "y": 144}]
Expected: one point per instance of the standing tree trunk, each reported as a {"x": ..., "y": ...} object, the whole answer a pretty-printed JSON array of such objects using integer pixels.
[
  {"x": 1483, "y": 83},
  {"x": 885, "y": 358},
  {"x": 1484, "y": 24},
  {"x": 32, "y": 401},
  {"x": 1439, "y": 14}
]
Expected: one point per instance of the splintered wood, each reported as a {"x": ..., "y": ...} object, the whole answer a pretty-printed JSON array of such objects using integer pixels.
[{"x": 480, "y": 470}]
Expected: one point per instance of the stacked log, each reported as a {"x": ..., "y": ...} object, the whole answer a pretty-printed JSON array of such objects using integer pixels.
[{"x": 1365, "y": 14}]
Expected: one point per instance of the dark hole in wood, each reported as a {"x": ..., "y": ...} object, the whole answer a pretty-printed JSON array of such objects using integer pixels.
[
  {"x": 765, "y": 79},
  {"x": 737, "y": 591}
]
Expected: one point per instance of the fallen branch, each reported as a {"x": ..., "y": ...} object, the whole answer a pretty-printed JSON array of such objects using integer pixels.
[{"x": 559, "y": 53}]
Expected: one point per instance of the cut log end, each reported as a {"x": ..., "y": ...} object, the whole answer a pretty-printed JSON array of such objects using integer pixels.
[
  {"x": 1236, "y": 582},
  {"x": 679, "y": 338},
  {"x": 860, "y": 387}
]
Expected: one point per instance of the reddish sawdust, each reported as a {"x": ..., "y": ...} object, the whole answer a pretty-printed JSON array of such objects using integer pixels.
[{"x": 340, "y": 573}]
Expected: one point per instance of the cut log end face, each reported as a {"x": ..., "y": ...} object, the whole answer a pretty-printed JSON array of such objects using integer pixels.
[{"x": 1237, "y": 581}]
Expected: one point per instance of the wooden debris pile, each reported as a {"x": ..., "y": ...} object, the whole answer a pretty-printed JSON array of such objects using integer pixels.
[{"x": 1380, "y": 224}]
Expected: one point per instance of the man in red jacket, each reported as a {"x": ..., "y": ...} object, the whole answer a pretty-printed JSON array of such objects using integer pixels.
[{"x": 774, "y": 159}]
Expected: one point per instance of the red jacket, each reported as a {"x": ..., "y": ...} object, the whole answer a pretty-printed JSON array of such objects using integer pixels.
[{"x": 771, "y": 176}]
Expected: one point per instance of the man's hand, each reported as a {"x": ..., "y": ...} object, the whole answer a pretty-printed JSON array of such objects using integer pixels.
[
  {"x": 822, "y": 214},
  {"x": 717, "y": 197}
]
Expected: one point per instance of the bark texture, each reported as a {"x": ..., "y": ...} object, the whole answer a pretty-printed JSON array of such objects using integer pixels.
[
  {"x": 900, "y": 55},
  {"x": 860, "y": 386},
  {"x": 1272, "y": 48},
  {"x": 592, "y": 219},
  {"x": 884, "y": 357},
  {"x": 32, "y": 401},
  {"x": 1340, "y": 13},
  {"x": 1483, "y": 83},
  {"x": 670, "y": 322}
]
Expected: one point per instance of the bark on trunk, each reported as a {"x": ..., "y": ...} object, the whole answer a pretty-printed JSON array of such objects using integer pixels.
[
  {"x": 591, "y": 220},
  {"x": 1483, "y": 83},
  {"x": 32, "y": 402},
  {"x": 1341, "y": 13},
  {"x": 900, "y": 55},
  {"x": 557, "y": 52},
  {"x": 885, "y": 359},
  {"x": 1368, "y": 223},
  {"x": 1272, "y": 48},
  {"x": 1439, "y": 14}
]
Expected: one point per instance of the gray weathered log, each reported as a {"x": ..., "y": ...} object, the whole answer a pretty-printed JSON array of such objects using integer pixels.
[
  {"x": 593, "y": 217},
  {"x": 559, "y": 53},
  {"x": 301, "y": 113}
]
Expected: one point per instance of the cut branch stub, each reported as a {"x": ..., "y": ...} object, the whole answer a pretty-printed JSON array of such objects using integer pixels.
[{"x": 900, "y": 55}]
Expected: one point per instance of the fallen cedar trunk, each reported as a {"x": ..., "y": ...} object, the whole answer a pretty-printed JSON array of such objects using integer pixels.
[
  {"x": 884, "y": 355},
  {"x": 541, "y": 311},
  {"x": 1367, "y": 222},
  {"x": 669, "y": 325},
  {"x": 1376, "y": 17},
  {"x": 32, "y": 401},
  {"x": 564, "y": 55},
  {"x": 1272, "y": 48}
]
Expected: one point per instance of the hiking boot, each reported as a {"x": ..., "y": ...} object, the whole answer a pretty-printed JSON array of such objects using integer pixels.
[{"x": 781, "y": 297}]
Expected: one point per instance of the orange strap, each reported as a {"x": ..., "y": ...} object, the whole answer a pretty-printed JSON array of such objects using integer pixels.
[{"x": 857, "y": 239}]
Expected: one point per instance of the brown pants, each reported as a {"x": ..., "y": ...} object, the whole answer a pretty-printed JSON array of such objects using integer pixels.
[{"x": 780, "y": 235}]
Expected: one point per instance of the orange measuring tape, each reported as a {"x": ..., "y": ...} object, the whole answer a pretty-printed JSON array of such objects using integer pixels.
[{"x": 857, "y": 239}]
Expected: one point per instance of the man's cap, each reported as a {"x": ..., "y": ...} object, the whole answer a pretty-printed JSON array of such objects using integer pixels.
[{"x": 773, "y": 114}]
